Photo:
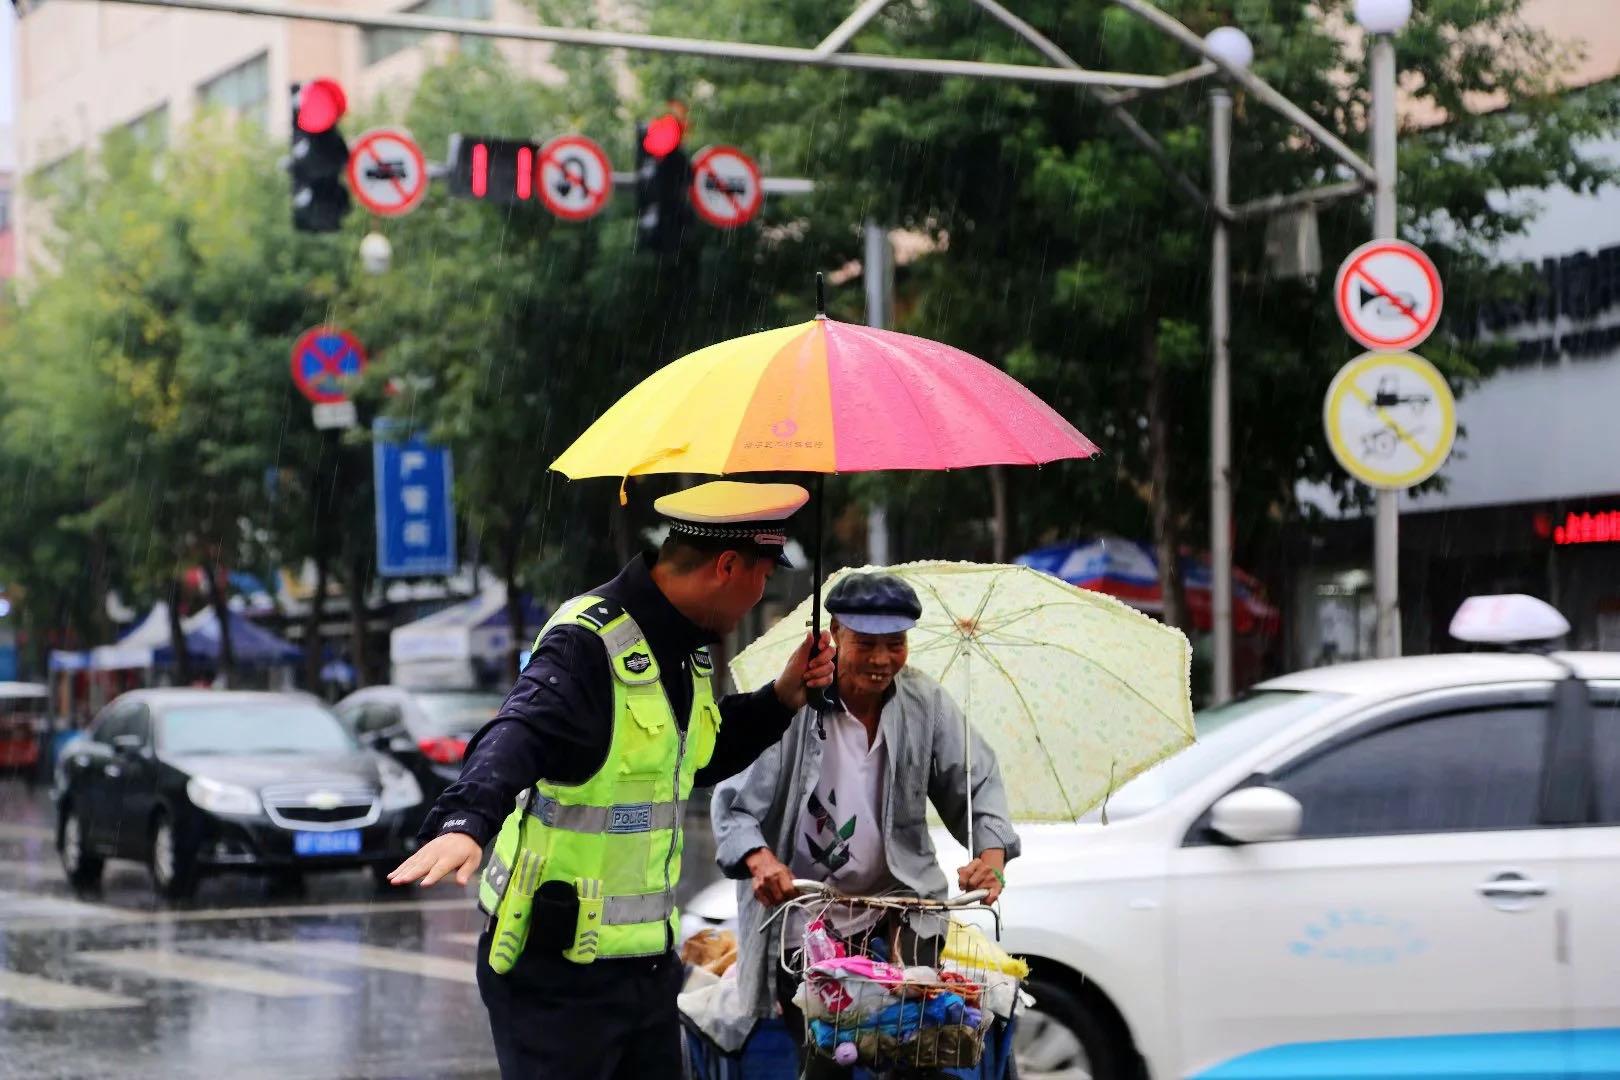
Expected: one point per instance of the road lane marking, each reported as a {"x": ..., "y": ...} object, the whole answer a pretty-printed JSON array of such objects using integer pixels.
[
  {"x": 45, "y": 907},
  {"x": 11, "y": 831},
  {"x": 206, "y": 971},
  {"x": 470, "y": 938},
  {"x": 33, "y": 992},
  {"x": 19, "y": 910},
  {"x": 352, "y": 955}
]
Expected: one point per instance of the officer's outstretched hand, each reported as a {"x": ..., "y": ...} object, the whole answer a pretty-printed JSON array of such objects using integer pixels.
[
  {"x": 803, "y": 674},
  {"x": 447, "y": 853}
]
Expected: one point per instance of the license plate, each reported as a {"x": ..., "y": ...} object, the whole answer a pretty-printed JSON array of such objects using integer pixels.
[{"x": 343, "y": 842}]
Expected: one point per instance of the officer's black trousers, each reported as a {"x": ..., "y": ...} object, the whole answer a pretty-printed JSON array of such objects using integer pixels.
[{"x": 556, "y": 1020}]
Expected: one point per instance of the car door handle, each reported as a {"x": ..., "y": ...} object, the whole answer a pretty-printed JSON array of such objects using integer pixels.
[{"x": 1511, "y": 887}]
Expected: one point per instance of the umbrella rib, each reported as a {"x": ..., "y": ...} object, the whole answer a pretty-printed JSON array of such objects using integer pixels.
[
  {"x": 885, "y": 350},
  {"x": 1031, "y": 642},
  {"x": 969, "y": 642},
  {"x": 1029, "y": 716}
]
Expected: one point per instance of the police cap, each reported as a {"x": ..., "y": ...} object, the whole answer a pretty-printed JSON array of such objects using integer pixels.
[{"x": 727, "y": 511}]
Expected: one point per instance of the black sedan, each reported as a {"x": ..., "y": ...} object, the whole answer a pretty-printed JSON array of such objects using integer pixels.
[
  {"x": 424, "y": 730},
  {"x": 198, "y": 781}
]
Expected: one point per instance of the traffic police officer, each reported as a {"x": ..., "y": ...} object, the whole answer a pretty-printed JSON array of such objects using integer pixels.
[{"x": 610, "y": 726}]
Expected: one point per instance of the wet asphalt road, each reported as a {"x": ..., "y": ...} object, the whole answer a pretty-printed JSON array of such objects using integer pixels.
[{"x": 246, "y": 981}]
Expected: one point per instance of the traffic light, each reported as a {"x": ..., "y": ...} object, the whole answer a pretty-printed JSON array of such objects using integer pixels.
[
  {"x": 663, "y": 174},
  {"x": 318, "y": 157}
]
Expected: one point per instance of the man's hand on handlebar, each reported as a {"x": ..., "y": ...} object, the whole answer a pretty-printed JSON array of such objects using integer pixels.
[
  {"x": 773, "y": 882},
  {"x": 984, "y": 873}
]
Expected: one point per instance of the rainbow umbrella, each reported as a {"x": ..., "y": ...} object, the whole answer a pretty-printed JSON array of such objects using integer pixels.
[{"x": 823, "y": 397}]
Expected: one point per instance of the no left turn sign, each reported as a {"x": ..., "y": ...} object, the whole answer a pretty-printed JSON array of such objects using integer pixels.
[
  {"x": 575, "y": 177},
  {"x": 726, "y": 189},
  {"x": 1388, "y": 295},
  {"x": 387, "y": 172}
]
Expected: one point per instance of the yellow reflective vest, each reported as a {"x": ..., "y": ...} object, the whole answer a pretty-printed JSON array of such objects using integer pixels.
[{"x": 616, "y": 838}]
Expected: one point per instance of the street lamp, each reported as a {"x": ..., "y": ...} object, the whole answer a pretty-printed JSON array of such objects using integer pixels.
[
  {"x": 1383, "y": 16},
  {"x": 1232, "y": 46},
  {"x": 1381, "y": 19}
]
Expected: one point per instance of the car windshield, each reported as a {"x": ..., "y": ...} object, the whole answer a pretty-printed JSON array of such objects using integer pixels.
[
  {"x": 257, "y": 727},
  {"x": 1224, "y": 732},
  {"x": 458, "y": 712}
]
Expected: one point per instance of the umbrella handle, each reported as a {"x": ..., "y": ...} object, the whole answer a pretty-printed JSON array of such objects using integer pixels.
[{"x": 820, "y": 699}]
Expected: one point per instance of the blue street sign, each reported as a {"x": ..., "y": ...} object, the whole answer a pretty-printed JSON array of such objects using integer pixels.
[{"x": 416, "y": 527}]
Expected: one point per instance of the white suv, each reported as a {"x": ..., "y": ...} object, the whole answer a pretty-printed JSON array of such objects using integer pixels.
[{"x": 1397, "y": 868}]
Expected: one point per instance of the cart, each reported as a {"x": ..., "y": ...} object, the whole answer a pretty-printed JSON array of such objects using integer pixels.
[{"x": 919, "y": 995}]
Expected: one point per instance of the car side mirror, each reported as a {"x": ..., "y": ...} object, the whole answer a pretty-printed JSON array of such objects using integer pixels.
[
  {"x": 128, "y": 745},
  {"x": 1255, "y": 815}
]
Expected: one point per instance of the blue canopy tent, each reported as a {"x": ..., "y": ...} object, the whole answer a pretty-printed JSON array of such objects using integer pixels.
[{"x": 251, "y": 644}]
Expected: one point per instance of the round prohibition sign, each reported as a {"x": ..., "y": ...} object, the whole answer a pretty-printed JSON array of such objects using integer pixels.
[
  {"x": 322, "y": 358},
  {"x": 387, "y": 172},
  {"x": 574, "y": 177},
  {"x": 726, "y": 188},
  {"x": 1390, "y": 419},
  {"x": 1388, "y": 295}
]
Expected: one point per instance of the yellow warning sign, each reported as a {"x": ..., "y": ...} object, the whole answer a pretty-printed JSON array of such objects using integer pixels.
[{"x": 1390, "y": 419}]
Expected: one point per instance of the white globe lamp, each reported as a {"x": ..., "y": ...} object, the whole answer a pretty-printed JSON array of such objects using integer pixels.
[
  {"x": 376, "y": 253},
  {"x": 1383, "y": 16},
  {"x": 1231, "y": 45}
]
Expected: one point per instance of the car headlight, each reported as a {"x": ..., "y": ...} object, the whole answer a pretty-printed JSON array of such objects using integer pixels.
[
  {"x": 221, "y": 798},
  {"x": 400, "y": 789}
]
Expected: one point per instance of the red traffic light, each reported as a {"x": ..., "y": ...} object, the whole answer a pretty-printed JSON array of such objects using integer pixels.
[
  {"x": 663, "y": 136},
  {"x": 321, "y": 104}
]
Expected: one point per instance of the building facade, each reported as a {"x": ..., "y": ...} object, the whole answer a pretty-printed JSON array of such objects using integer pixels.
[{"x": 86, "y": 69}]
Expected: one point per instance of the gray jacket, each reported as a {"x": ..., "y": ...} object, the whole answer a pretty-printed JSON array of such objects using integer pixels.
[{"x": 759, "y": 807}]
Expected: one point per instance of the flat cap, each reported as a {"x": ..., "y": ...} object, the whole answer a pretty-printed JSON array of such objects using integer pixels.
[
  {"x": 728, "y": 510},
  {"x": 874, "y": 603}
]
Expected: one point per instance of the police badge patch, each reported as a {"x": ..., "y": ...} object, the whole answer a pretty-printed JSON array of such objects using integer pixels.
[{"x": 637, "y": 663}]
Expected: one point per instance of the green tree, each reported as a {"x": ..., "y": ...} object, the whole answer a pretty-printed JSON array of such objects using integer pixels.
[
  {"x": 1068, "y": 256},
  {"x": 149, "y": 363}
]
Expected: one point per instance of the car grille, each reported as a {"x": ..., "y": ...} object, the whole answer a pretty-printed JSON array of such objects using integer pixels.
[{"x": 321, "y": 807}]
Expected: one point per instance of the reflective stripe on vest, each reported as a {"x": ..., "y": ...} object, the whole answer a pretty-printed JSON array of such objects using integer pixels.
[{"x": 624, "y": 818}]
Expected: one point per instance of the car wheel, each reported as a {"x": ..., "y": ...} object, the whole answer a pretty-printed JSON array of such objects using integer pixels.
[
  {"x": 173, "y": 864},
  {"x": 82, "y": 868},
  {"x": 1061, "y": 1038}
]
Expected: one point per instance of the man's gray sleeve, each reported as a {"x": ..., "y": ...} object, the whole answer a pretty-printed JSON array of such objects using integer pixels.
[
  {"x": 948, "y": 780},
  {"x": 739, "y": 809}
]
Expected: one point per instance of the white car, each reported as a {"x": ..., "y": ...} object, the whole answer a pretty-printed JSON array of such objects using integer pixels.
[{"x": 1401, "y": 868}]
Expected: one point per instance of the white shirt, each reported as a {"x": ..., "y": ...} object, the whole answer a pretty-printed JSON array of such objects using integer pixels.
[{"x": 839, "y": 838}]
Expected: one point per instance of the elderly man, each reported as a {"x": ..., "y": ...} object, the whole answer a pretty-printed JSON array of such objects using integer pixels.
[{"x": 841, "y": 801}]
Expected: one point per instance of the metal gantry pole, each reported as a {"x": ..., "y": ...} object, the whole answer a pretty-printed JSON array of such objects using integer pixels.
[
  {"x": 877, "y": 270},
  {"x": 1387, "y": 523},
  {"x": 1220, "y": 394}
]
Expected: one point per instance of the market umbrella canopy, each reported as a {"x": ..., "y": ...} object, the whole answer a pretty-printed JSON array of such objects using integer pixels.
[
  {"x": 823, "y": 397},
  {"x": 1075, "y": 691}
]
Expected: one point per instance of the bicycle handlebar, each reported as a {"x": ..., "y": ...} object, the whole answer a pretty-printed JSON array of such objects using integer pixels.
[{"x": 807, "y": 887}]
